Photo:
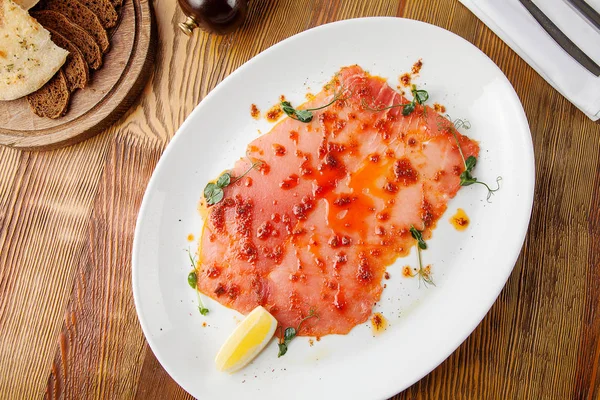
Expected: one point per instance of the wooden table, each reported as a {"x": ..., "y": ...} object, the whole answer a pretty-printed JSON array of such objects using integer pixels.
[{"x": 68, "y": 327}]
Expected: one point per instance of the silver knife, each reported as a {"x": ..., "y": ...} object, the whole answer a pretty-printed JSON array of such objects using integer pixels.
[
  {"x": 560, "y": 38},
  {"x": 587, "y": 10}
]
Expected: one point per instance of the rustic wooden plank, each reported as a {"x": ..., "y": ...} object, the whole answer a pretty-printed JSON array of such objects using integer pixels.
[
  {"x": 9, "y": 165},
  {"x": 101, "y": 346},
  {"x": 45, "y": 211},
  {"x": 554, "y": 288},
  {"x": 155, "y": 383},
  {"x": 587, "y": 378},
  {"x": 8, "y": 168}
]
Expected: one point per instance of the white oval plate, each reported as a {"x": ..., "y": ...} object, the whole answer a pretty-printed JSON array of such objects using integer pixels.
[{"x": 425, "y": 324}]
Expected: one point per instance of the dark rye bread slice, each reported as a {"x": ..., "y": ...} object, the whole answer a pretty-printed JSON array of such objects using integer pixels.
[
  {"x": 75, "y": 68},
  {"x": 104, "y": 10},
  {"x": 80, "y": 38},
  {"x": 52, "y": 99},
  {"x": 83, "y": 17}
]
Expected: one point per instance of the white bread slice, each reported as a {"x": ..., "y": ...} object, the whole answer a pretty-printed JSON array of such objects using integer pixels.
[
  {"x": 28, "y": 57},
  {"x": 27, "y": 4}
]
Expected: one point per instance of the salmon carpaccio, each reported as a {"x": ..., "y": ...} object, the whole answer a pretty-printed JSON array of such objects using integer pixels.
[{"x": 330, "y": 206}]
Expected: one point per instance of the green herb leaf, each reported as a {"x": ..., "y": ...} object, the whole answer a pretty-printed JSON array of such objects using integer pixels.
[
  {"x": 408, "y": 109},
  {"x": 287, "y": 108},
  {"x": 193, "y": 282},
  {"x": 304, "y": 115},
  {"x": 224, "y": 180},
  {"x": 418, "y": 236},
  {"x": 423, "y": 273},
  {"x": 282, "y": 349},
  {"x": 209, "y": 189},
  {"x": 470, "y": 163},
  {"x": 213, "y": 192},
  {"x": 301, "y": 115},
  {"x": 215, "y": 197},
  {"x": 203, "y": 310},
  {"x": 421, "y": 96},
  {"x": 192, "y": 279},
  {"x": 466, "y": 177},
  {"x": 289, "y": 334}
]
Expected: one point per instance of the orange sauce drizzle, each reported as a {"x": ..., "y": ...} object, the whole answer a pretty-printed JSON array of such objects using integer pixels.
[
  {"x": 416, "y": 68},
  {"x": 439, "y": 108},
  {"x": 460, "y": 221},
  {"x": 254, "y": 111},
  {"x": 379, "y": 323},
  {"x": 274, "y": 113},
  {"x": 405, "y": 79}
]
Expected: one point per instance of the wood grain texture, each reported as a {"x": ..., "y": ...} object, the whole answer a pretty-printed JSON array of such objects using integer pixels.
[
  {"x": 109, "y": 94},
  {"x": 67, "y": 322},
  {"x": 101, "y": 345}
]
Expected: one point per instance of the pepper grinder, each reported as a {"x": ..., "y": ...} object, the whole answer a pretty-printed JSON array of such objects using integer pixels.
[{"x": 215, "y": 16}]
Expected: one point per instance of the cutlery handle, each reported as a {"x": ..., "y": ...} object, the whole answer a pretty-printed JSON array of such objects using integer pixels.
[
  {"x": 587, "y": 10},
  {"x": 560, "y": 38}
]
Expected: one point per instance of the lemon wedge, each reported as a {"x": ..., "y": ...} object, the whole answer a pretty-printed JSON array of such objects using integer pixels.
[{"x": 246, "y": 341}]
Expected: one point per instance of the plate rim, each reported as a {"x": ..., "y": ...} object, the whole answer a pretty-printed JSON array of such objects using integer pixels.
[{"x": 529, "y": 178}]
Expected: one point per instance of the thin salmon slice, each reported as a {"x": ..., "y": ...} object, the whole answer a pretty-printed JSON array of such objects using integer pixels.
[{"x": 330, "y": 206}]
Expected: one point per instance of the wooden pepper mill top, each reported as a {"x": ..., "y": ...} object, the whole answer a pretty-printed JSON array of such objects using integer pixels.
[{"x": 216, "y": 16}]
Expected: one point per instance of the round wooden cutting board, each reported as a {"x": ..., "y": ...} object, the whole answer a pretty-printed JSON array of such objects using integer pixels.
[{"x": 110, "y": 92}]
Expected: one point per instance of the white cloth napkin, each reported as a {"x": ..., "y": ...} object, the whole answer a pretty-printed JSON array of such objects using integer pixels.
[{"x": 511, "y": 21}]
